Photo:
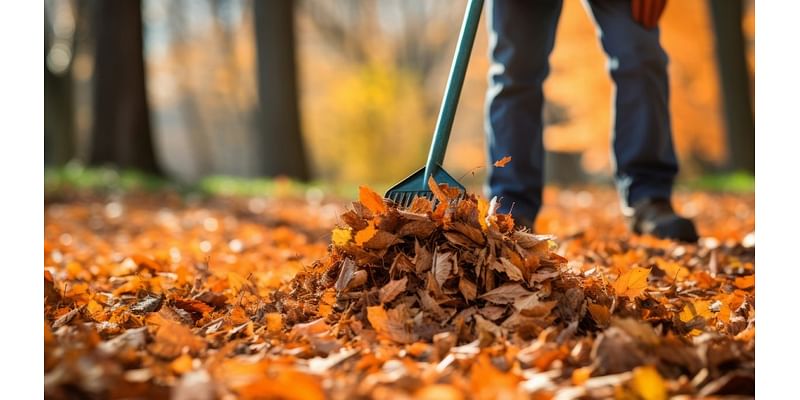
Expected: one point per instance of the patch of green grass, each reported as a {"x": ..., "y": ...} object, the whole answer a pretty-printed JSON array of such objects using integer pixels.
[
  {"x": 77, "y": 177},
  {"x": 736, "y": 182}
]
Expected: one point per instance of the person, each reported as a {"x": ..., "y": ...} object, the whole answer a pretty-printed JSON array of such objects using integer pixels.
[{"x": 521, "y": 37}]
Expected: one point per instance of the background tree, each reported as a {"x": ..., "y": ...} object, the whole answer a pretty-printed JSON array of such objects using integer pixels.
[
  {"x": 281, "y": 142},
  {"x": 59, "y": 49},
  {"x": 121, "y": 132},
  {"x": 734, "y": 82}
]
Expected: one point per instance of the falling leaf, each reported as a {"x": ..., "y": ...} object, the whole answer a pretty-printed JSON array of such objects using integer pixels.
[
  {"x": 632, "y": 283},
  {"x": 371, "y": 200},
  {"x": 502, "y": 162}
]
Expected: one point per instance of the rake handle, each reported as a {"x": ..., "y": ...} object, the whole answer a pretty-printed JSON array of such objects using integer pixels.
[{"x": 452, "y": 91}]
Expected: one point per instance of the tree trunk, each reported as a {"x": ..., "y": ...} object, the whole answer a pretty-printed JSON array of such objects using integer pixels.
[
  {"x": 281, "y": 150},
  {"x": 121, "y": 123},
  {"x": 59, "y": 119},
  {"x": 734, "y": 80}
]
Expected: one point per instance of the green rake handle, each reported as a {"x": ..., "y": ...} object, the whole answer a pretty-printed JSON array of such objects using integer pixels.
[{"x": 441, "y": 135}]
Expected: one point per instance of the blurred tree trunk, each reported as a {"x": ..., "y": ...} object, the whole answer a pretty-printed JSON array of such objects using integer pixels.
[
  {"x": 734, "y": 81},
  {"x": 59, "y": 117},
  {"x": 121, "y": 123},
  {"x": 281, "y": 148}
]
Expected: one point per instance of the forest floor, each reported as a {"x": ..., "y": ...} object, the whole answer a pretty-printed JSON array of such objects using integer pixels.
[{"x": 162, "y": 295}]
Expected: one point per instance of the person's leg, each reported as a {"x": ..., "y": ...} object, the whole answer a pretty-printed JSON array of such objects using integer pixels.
[
  {"x": 521, "y": 37},
  {"x": 645, "y": 158}
]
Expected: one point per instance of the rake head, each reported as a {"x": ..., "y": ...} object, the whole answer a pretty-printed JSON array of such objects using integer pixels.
[{"x": 415, "y": 185}]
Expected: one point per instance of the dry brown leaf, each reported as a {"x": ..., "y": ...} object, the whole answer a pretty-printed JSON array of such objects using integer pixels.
[
  {"x": 393, "y": 289},
  {"x": 505, "y": 266},
  {"x": 506, "y": 294}
]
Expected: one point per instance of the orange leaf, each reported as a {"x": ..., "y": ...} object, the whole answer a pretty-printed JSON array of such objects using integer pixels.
[
  {"x": 745, "y": 282},
  {"x": 599, "y": 313},
  {"x": 502, "y": 162},
  {"x": 326, "y": 302},
  {"x": 437, "y": 191},
  {"x": 274, "y": 322},
  {"x": 378, "y": 319},
  {"x": 632, "y": 283},
  {"x": 371, "y": 200},
  {"x": 581, "y": 375},
  {"x": 366, "y": 234}
]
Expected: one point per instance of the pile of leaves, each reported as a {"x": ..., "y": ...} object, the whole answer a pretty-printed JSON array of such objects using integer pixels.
[
  {"x": 161, "y": 298},
  {"x": 457, "y": 268}
]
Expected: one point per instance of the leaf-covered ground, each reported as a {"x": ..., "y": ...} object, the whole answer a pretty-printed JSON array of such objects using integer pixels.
[{"x": 163, "y": 296}]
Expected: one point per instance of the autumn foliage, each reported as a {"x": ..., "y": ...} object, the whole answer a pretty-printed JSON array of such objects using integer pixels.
[{"x": 442, "y": 300}]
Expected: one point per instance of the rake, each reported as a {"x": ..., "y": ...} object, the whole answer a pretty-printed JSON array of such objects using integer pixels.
[{"x": 416, "y": 184}]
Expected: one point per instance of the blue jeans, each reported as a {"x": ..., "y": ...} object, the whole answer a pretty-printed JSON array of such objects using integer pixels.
[{"x": 522, "y": 33}]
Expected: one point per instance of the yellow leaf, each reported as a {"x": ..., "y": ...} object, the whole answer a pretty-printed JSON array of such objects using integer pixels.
[
  {"x": 341, "y": 236},
  {"x": 699, "y": 308},
  {"x": 366, "y": 234},
  {"x": 632, "y": 283},
  {"x": 371, "y": 200},
  {"x": 674, "y": 271},
  {"x": 483, "y": 212},
  {"x": 648, "y": 384}
]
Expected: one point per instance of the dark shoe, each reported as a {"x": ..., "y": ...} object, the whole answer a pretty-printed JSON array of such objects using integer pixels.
[{"x": 656, "y": 217}]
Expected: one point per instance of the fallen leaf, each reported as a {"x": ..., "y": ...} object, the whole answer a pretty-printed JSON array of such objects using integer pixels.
[
  {"x": 505, "y": 266},
  {"x": 366, "y": 234},
  {"x": 437, "y": 191},
  {"x": 648, "y": 384},
  {"x": 393, "y": 289},
  {"x": 745, "y": 282},
  {"x": 341, "y": 236},
  {"x": 632, "y": 283},
  {"x": 506, "y": 294},
  {"x": 371, "y": 200}
]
